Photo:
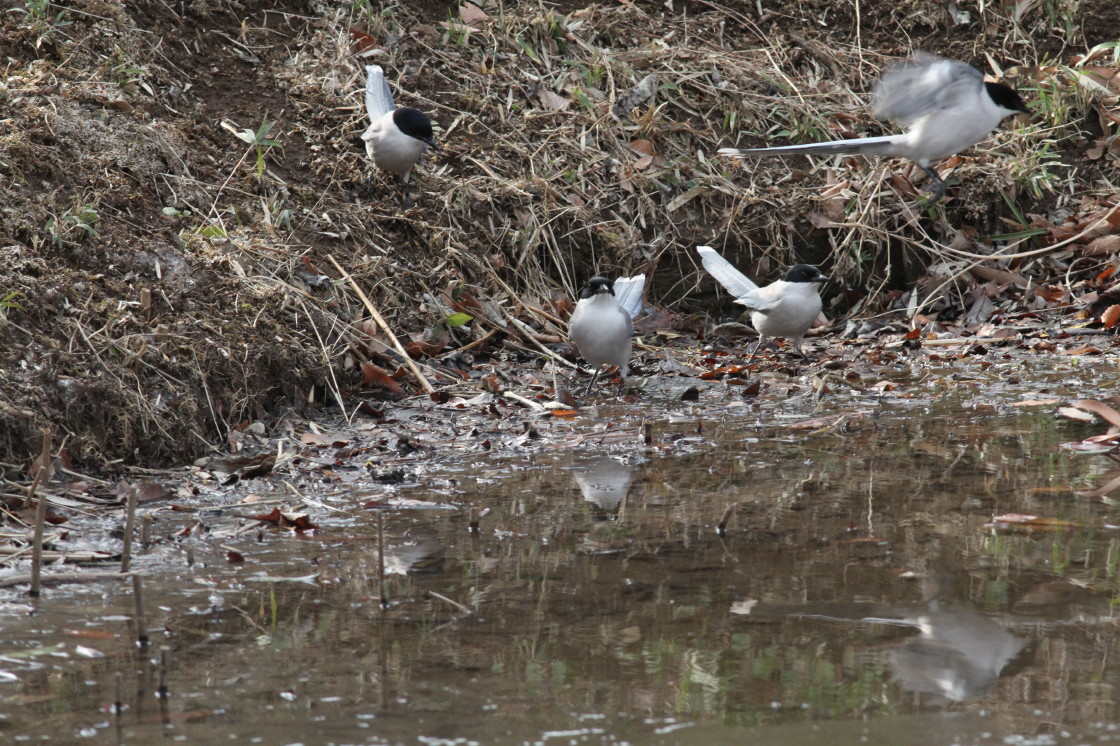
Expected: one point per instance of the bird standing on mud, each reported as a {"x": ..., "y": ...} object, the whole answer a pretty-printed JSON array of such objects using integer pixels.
[
  {"x": 786, "y": 308},
  {"x": 945, "y": 105},
  {"x": 395, "y": 138},
  {"x": 602, "y": 325}
]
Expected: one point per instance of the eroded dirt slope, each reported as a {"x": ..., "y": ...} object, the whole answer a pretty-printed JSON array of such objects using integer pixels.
[{"x": 163, "y": 282}]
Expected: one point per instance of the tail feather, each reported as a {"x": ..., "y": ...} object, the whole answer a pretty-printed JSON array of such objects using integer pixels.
[
  {"x": 734, "y": 281},
  {"x": 379, "y": 97},
  {"x": 628, "y": 293},
  {"x": 888, "y": 145}
]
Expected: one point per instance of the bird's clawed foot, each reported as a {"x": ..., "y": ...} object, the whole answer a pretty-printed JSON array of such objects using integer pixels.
[{"x": 935, "y": 186}]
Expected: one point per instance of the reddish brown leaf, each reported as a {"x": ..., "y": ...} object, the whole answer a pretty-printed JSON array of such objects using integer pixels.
[
  {"x": 491, "y": 382},
  {"x": 425, "y": 348},
  {"x": 298, "y": 521},
  {"x": 727, "y": 370},
  {"x": 375, "y": 375},
  {"x": 1110, "y": 316},
  {"x": 360, "y": 41},
  {"x": 273, "y": 517},
  {"x": 234, "y": 557}
]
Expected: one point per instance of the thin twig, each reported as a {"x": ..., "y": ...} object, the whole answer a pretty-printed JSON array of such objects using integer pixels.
[{"x": 45, "y": 462}]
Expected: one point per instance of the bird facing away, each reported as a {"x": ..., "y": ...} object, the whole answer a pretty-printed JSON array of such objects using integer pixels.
[
  {"x": 786, "y": 308},
  {"x": 602, "y": 325},
  {"x": 945, "y": 105},
  {"x": 395, "y": 138}
]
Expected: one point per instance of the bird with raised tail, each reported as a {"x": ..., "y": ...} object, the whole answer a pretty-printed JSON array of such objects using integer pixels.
[
  {"x": 395, "y": 138},
  {"x": 786, "y": 308},
  {"x": 945, "y": 105},
  {"x": 602, "y": 325}
]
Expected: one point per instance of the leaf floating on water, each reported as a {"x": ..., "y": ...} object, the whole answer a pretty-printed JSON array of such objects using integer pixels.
[
  {"x": 1076, "y": 414},
  {"x": 744, "y": 607},
  {"x": 280, "y": 519},
  {"x": 1012, "y": 521},
  {"x": 305, "y": 579},
  {"x": 1035, "y": 402},
  {"x": 1107, "y": 413}
]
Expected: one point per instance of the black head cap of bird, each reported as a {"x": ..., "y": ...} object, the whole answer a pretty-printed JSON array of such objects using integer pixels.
[
  {"x": 804, "y": 273},
  {"x": 415, "y": 123},
  {"x": 1007, "y": 97},
  {"x": 595, "y": 286}
]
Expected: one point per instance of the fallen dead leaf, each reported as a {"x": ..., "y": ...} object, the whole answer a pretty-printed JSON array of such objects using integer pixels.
[
  {"x": 552, "y": 101},
  {"x": 375, "y": 375},
  {"x": 1104, "y": 411},
  {"x": 1018, "y": 520},
  {"x": 281, "y": 519},
  {"x": 471, "y": 13},
  {"x": 323, "y": 439}
]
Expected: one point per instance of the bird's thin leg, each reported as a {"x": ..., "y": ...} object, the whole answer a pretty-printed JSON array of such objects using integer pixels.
[
  {"x": 797, "y": 347},
  {"x": 757, "y": 346},
  {"x": 591, "y": 383},
  {"x": 935, "y": 185},
  {"x": 406, "y": 201}
]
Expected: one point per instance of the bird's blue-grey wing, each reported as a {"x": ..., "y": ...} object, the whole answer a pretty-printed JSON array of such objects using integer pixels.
[
  {"x": 379, "y": 98},
  {"x": 628, "y": 293},
  {"x": 734, "y": 281},
  {"x": 758, "y": 300},
  {"x": 924, "y": 83}
]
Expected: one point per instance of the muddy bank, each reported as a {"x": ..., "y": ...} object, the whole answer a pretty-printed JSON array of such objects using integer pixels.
[{"x": 164, "y": 284}]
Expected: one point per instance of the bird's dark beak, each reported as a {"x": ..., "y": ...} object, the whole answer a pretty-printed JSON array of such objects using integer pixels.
[
  {"x": 431, "y": 141},
  {"x": 822, "y": 278}
]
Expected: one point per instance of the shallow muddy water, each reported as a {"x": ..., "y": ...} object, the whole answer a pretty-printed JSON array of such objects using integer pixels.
[{"x": 861, "y": 592}]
